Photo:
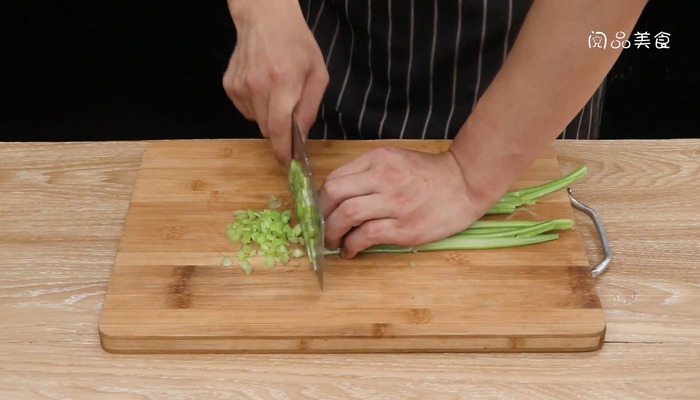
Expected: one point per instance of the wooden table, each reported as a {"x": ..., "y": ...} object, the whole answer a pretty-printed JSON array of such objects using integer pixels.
[{"x": 62, "y": 207}]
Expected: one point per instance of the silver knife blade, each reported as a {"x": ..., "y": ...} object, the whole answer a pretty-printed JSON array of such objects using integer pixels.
[{"x": 316, "y": 225}]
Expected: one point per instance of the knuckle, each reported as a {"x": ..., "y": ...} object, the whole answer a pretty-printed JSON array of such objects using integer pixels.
[
  {"x": 332, "y": 190},
  {"x": 353, "y": 243},
  {"x": 350, "y": 212},
  {"x": 383, "y": 151},
  {"x": 390, "y": 173},
  {"x": 279, "y": 74},
  {"x": 252, "y": 82},
  {"x": 374, "y": 232},
  {"x": 322, "y": 76},
  {"x": 229, "y": 86},
  {"x": 239, "y": 90},
  {"x": 226, "y": 81},
  {"x": 235, "y": 88}
]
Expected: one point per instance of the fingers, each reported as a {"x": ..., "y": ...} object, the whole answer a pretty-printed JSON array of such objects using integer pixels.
[
  {"x": 239, "y": 97},
  {"x": 352, "y": 213},
  {"x": 360, "y": 164},
  {"x": 261, "y": 101},
  {"x": 378, "y": 231},
  {"x": 256, "y": 96},
  {"x": 336, "y": 191},
  {"x": 235, "y": 87},
  {"x": 311, "y": 96},
  {"x": 283, "y": 99}
]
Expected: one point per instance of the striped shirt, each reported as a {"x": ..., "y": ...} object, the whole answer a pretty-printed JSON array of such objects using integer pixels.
[{"x": 415, "y": 69}]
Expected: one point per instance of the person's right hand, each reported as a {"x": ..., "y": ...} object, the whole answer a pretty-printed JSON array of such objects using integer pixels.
[{"x": 276, "y": 68}]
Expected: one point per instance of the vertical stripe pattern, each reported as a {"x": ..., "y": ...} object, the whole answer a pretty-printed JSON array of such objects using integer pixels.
[
  {"x": 432, "y": 69},
  {"x": 415, "y": 69},
  {"x": 335, "y": 37},
  {"x": 408, "y": 74},
  {"x": 454, "y": 69},
  {"x": 318, "y": 16},
  {"x": 480, "y": 65},
  {"x": 348, "y": 68},
  {"x": 586, "y": 124},
  {"x": 388, "y": 74},
  {"x": 369, "y": 61}
]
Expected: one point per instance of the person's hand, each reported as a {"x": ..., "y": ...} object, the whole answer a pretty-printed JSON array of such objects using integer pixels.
[
  {"x": 276, "y": 68},
  {"x": 396, "y": 196}
]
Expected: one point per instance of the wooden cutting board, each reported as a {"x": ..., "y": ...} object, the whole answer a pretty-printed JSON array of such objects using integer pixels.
[{"x": 169, "y": 293}]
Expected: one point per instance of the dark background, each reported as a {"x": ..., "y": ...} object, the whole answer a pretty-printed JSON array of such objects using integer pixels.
[{"x": 125, "y": 70}]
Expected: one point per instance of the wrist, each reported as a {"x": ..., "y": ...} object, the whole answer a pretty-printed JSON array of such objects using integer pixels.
[
  {"x": 490, "y": 159},
  {"x": 243, "y": 11}
]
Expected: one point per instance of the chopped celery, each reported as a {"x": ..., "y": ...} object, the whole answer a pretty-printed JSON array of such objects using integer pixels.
[
  {"x": 296, "y": 253},
  {"x": 264, "y": 233},
  {"x": 227, "y": 261},
  {"x": 246, "y": 266},
  {"x": 274, "y": 202}
]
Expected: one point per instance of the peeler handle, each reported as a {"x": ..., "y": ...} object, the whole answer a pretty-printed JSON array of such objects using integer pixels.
[{"x": 598, "y": 269}]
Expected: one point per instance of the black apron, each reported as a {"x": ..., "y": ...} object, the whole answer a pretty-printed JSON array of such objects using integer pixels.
[{"x": 414, "y": 69}]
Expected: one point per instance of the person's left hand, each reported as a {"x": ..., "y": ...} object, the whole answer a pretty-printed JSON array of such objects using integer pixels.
[{"x": 395, "y": 196}]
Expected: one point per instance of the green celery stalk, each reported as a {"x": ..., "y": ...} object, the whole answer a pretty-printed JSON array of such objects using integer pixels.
[
  {"x": 536, "y": 229},
  {"x": 535, "y": 192},
  {"x": 458, "y": 243}
]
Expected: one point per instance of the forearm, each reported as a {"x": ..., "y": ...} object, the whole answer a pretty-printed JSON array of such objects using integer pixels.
[{"x": 545, "y": 81}]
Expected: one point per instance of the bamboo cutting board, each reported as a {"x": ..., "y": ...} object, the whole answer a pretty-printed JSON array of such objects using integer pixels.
[{"x": 169, "y": 293}]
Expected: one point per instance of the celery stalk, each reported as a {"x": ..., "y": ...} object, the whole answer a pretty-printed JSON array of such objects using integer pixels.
[
  {"x": 458, "y": 243},
  {"x": 528, "y": 196}
]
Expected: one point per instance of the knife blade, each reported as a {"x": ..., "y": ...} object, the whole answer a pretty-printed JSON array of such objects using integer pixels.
[{"x": 306, "y": 203}]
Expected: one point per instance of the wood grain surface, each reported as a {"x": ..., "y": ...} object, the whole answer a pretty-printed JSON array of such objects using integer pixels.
[
  {"x": 62, "y": 210},
  {"x": 169, "y": 294}
]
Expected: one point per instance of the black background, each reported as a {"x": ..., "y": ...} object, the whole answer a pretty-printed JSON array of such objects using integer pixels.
[{"x": 126, "y": 70}]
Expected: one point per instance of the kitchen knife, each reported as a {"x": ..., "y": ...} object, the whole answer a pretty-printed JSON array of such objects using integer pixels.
[{"x": 306, "y": 202}]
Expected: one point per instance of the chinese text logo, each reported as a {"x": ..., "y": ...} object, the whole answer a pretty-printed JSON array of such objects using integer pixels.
[{"x": 641, "y": 39}]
